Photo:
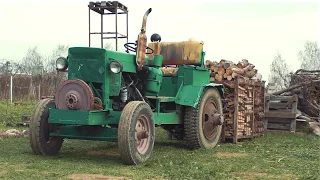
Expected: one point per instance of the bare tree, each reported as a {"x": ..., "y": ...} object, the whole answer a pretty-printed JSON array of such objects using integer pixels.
[
  {"x": 280, "y": 71},
  {"x": 310, "y": 56},
  {"x": 5, "y": 66},
  {"x": 9, "y": 67},
  {"x": 32, "y": 63}
]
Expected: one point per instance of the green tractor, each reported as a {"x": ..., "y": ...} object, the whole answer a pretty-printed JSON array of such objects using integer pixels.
[{"x": 121, "y": 97}]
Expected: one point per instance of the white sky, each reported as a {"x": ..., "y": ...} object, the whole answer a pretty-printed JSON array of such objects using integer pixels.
[{"x": 230, "y": 30}]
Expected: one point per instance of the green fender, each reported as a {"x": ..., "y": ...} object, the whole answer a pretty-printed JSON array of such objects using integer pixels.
[{"x": 189, "y": 95}]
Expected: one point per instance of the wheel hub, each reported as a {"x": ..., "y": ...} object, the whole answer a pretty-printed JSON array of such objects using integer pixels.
[
  {"x": 71, "y": 101},
  {"x": 75, "y": 95},
  {"x": 142, "y": 134},
  {"x": 211, "y": 119}
]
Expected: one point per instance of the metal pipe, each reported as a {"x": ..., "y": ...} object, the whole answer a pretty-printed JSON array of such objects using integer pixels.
[
  {"x": 142, "y": 42},
  {"x": 116, "y": 12},
  {"x": 144, "y": 21},
  {"x": 101, "y": 30},
  {"x": 127, "y": 26},
  {"x": 89, "y": 28}
]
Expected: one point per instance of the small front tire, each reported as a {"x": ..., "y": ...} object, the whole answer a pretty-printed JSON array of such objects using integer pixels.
[
  {"x": 136, "y": 133},
  {"x": 41, "y": 143}
]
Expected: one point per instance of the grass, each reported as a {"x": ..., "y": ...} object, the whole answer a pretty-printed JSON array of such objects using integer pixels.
[
  {"x": 272, "y": 156},
  {"x": 12, "y": 113}
]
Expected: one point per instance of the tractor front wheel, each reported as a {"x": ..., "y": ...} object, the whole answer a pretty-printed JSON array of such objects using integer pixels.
[
  {"x": 136, "y": 132},
  {"x": 41, "y": 143},
  {"x": 203, "y": 124}
]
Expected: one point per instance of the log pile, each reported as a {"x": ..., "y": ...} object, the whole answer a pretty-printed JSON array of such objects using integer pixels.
[
  {"x": 243, "y": 113},
  {"x": 305, "y": 84},
  {"x": 227, "y": 70},
  {"x": 243, "y": 109},
  {"x": 244, "y": 97}
]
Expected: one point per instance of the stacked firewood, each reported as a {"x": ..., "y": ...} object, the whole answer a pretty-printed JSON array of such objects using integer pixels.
[
  {"x": 227, "y": 70},
  {"x": 259, "y": 108},
  {"x": 239, "y": 110}
]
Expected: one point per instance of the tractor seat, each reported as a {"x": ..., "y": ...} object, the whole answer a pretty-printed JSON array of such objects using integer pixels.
[{"x": 177, "y": 53}]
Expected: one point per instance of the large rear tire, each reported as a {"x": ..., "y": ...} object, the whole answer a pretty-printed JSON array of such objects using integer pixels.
[
  {"x": 41, "y": 143},
  {"x": 136, "y": 133},
  {"x": 203, "y": 124}
]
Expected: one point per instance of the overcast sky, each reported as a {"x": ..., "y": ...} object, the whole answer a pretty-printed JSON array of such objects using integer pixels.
[{"x": 230, "y": 30}]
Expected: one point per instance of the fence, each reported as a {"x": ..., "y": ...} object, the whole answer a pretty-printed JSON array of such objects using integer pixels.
[{"x": 27, "y": 87}]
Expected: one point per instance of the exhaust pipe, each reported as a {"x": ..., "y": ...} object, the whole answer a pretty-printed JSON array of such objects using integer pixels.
[
  {"x": 144, "y": 21},
  {"x": 142, "y": 42}
]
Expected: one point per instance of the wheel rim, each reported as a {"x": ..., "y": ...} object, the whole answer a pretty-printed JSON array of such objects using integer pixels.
[
  {"x": 210, "y": 119},
  {"x": 142, "y": 134}
]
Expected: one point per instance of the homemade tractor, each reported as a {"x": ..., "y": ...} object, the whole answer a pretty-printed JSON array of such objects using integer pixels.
[{"x": 121, "y": 97}]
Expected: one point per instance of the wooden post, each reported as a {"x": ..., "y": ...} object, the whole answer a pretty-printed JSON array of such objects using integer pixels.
[
  {"x": 11, "y": 89},
  {"x": 236, "y": 109},
  {"x": 267, "y": 104},
  {"x": 253, "y": 115},
  {"x": 294, "y": 108}
]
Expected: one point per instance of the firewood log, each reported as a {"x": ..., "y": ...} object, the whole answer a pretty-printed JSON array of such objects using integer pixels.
[
  {"x": 212, "y": 68},
  {"x": 248, "y": 68},
  {"x": 234, "y": 75},
  {"x": 229, "y": 71},
  {"x": 221, "y": 63},
  {"x": 218, "y": 77},
  {"x": 238, "y": 71},
  {"x": 227, "y": 64},
  {"x": 251, "y": 73},
  {"x": 215, "y": 68},
  {"x": 221, "y": 71},
  {"x": 225, "y": 75},
  {"x": 208, "y": 63},
  {"x": 240, "y": 65}
]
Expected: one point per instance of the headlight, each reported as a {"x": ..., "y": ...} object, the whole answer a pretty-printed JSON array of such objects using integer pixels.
[
  {"x": 115, "y": 67},
  {"x": 62, "y": 63}
]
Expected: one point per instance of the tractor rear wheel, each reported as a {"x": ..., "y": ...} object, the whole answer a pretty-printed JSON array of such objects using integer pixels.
[
  {"x": 136, "y": 132},
  {"x": 203, "y": 124},
  {"x": 41, "y": 143}
]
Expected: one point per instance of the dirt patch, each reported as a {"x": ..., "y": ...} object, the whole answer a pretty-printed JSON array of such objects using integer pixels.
[
  {"x": 94, "y": 177},
  {"x": 259, "y": 175},
  {"x": 14, "y": 133},
  {"x": 228, "y": 154},
  {"x": 3, "y": 172},
  {"x": 95, "y": 153}
]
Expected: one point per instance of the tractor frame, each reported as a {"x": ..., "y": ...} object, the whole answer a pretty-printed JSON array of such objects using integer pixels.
[{"x": 121, "y": 97}]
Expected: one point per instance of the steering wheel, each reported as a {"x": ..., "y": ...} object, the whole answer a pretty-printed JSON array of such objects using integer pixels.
[{"x": 134, "y": 49}]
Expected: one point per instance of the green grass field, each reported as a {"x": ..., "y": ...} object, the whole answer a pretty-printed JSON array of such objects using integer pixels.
[
  {"x": 272, "y": 156},
  {"x": 11, "y": 113}
]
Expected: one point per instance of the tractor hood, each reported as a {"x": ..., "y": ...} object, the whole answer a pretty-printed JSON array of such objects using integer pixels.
[{"x": 86, "y": 63}]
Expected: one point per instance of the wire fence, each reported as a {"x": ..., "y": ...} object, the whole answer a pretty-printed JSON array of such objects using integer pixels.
[{"x": 29, "y": 87}]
